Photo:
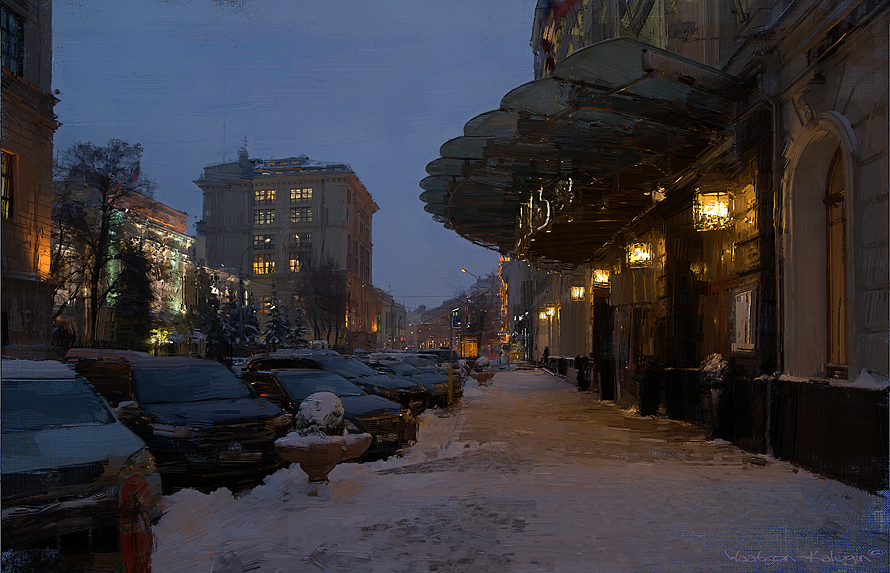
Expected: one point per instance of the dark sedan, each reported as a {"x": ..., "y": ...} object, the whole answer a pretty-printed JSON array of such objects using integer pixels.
[
  {"x": 392, "y": 426},
  {"x": 200, "y": 421},
  {"x": 405, "y": 391}
]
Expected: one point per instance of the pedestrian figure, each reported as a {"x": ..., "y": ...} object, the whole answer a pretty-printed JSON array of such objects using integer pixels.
[
  {"x": 581, "y": 363},
  {"x": 546, "y": 356}
]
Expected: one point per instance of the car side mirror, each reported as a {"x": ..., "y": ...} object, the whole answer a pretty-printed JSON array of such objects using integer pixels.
[
  {"x": 127, "y": 410},
  {"x": 114, "y": 398}
]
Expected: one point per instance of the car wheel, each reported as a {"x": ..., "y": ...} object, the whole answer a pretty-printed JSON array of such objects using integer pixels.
[{"x": 136, "y": 539}]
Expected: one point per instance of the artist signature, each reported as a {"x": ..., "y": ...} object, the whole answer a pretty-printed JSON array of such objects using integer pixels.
[{"x": 812, "y": 557}]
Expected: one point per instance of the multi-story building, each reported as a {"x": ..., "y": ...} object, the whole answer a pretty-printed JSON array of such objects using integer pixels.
[
  {"x": 698, "y": 178},
  {"x": 28, "y": 125},
  {"x": 159, "y": 230},
  {"x": 302, "y": 228},
  {"x": 392, "y": 323}
]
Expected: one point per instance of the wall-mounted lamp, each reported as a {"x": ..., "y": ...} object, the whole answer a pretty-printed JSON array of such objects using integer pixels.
[
  {"x": 712, "y": 211},
  {"x": 601, "y": 277},
  {"x": 639, "y": 255},
  {"x": 577, "y": 293},
  {"x": 543, "y": 315},
  {"x": 550, "y": 310}
]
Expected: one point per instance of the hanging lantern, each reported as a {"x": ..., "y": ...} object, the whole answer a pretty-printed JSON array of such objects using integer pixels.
[
  {"x": 601, "y": 277},
  {"x": 577, "y": 293},
  {"x": 639, "y": 255},
  {"x": 712, "y": 211},
  {"x": 551, "y": 310}
]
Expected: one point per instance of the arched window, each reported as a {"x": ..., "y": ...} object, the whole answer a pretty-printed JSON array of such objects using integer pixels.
[{"x": 836, "y": 243}]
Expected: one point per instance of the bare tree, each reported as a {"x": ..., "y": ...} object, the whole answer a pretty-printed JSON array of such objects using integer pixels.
[
  {"x": 325, "y": 300},
  {"x": 91, "y": 185}
]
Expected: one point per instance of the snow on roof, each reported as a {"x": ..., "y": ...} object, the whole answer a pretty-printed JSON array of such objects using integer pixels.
[{"x": 34, "y": 370}]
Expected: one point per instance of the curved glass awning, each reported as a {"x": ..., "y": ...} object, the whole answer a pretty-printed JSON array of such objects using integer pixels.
[{"x": 567, "y": 161}]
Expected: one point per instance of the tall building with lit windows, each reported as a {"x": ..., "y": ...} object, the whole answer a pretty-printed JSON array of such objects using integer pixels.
[
  {"x": 299, "y": 227},
  {"x": 28, "y": 125}
]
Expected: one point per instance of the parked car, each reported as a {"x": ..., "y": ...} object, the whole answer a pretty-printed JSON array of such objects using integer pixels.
[
  {"x": 423, "y": 364},
  {"x": 435, "y": 383},
  {"x": 406, "y": 392},
  {"x": 200, "y": 421},
  {"x": 392, "y": 425},
  {"x": 451, "y": 356},
  {"x": 72, "y": 473}
]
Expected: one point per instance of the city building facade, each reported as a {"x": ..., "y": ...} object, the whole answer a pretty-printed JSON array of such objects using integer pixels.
[
  {"x": 697, "y": 180},
  {"x": 301, "y": 228},
  {"x": 28, "y": 126}
]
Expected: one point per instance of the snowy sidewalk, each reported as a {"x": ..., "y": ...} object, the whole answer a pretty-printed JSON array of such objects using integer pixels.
[{"x": 531, "y": 475}]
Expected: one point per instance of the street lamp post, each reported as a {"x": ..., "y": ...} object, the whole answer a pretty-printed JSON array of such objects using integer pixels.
[{"x": 241, "y": 293}]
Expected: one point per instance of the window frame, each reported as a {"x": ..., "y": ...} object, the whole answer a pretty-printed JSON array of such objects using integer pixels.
[
  {"x": 19, "y": 39},
  {"x": 301, "y": 195},
  {"x": 264, "y": 196},
  {"x": 8, "y": 176},
  {"x": 263, "y": 264},
  {"x": 300, "y": 215},
  {"x": 263, "y": 217}
]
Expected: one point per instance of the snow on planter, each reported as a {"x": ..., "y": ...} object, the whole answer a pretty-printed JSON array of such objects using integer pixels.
[{"x": 320, "y": 414}]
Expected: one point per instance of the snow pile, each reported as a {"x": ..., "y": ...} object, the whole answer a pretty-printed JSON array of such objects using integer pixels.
[
  {"x": 320, "y": 414},
  {"x": 870, "y": 380}
]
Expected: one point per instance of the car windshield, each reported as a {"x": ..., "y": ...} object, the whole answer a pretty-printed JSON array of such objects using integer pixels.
[
  {"x": 347, "y": 367},
  {"x": 300, "y": 385},
  {"x": 190, "y": 383},
  {"x": 402, "y": 369},
  {"x": 420, "y": 362},
  {"x": 38, "y": 404}
]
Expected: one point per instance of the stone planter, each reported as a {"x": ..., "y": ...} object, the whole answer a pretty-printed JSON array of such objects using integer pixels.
[
  {"x": 318, "y": 455},
  {"x": 482, "y": 376}
]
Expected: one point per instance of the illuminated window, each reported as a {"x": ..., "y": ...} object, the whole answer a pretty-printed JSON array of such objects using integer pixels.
[
  {"x": 296, "y": 262},
  {"x": 11, "y": 31},
  {"x": 577, "y": 293},
  {"x": 264, "y": 241},
  {"x": 263, "y": 264},
  {"x": 263, "y": 216},
  {"x": 8, "y": 184},
  {"x": 300, "y": 214},
  {"x": 301, "y": 240},
  {"x": 264, "y": 196},
  {"x": 301, "y": 195}
]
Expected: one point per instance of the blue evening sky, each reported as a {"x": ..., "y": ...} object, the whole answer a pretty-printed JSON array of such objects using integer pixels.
[{"x": 378, "y": 85}]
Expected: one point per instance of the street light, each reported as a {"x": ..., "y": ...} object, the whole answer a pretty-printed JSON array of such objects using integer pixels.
[{"x": 471, "y": 274}]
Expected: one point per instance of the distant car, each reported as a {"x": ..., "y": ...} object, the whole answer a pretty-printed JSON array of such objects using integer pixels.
[
  {"x": 427, "y": 364},
  {"x": 435, "y": 383},
  {"x": 200, "y": 421},
  {"x": 72, "y": 474},
  {"x": 451, "y": 356},
  {"x": 392, "y": 425},
  {"x": 406, "y": 392}
]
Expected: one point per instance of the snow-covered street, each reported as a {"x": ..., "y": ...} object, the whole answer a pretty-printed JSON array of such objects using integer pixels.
[{"x": 531, "y": 475}]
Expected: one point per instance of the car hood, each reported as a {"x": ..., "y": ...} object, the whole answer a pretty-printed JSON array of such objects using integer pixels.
[
  {"x": 430, "y": 378},
  {"x": 212, "y": 412},
  {"x": 57, "y": 447},
  {"x": 368, "y": 404},
  {"x": 387, "y": 381}
]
